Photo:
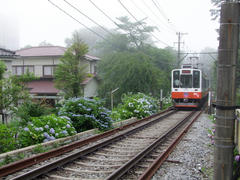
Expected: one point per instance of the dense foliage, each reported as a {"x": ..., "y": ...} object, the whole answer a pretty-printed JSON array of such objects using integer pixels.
[
  {"x": 135, "y": 105},
  {"x": 86, "y": 114},
  {"x": 45, "y": 128},
  {"x": 28, "y": 109},
  {"x": 7, "y": 138},
  {"x": 131, "y": 72}
]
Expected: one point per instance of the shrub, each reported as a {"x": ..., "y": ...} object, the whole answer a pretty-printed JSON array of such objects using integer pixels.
[
  {"x": 86, "y": 114},
  {"x": 7, "y": 139},
  {"x": 135, "y": 105},
  {"x": 45, "y": 128},
  {"x": 30, "y": 109}
]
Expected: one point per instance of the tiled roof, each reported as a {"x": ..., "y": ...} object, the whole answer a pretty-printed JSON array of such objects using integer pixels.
[
  {"x": 47, "y": 51},
  {"x": 41, "y": 51},
  {"x": 42, "y": 87}
]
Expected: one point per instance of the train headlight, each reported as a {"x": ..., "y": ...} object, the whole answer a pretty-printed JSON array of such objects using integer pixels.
[{"x": 185, "y": 100}]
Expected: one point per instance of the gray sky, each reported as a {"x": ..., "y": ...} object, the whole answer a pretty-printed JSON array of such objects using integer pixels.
[{"x": 34, "y": 21}]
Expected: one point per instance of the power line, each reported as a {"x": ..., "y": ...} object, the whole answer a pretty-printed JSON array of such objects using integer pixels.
[
  {"x": 102, "y": 12},
  {"x": 140, "y": 24},
  {"x": 87, "y": 17},
  {"x": 161, "y": 12},
  {"x": 164, "y": 14},
  {"x": 135, "y": 4},
  {"x": 157, "y": 16},
  {"x": 76, "y": 20}
]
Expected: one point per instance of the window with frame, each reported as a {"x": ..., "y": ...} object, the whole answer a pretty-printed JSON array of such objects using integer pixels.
[
  {"x": 20, "y": 70},
  {"x": 48, "y": 70}
]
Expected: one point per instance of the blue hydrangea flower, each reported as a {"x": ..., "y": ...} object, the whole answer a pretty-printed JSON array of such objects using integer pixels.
[
  {"x": 52, "y": 131},
  {"x": 26, "y": 129},
  {"x": 41, "y": 129},
  {"x": 68, "y": 126},
  {"x": 46, "y": 126},
  {"x": 46, "y": 135},
  {"x": 51, "y": 138},
  {"x": 64, "y": 132},
  {"x": 36, "y": 129}
]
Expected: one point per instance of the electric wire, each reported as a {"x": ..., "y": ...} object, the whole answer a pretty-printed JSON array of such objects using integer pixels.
[
  {"x": 161, "y": 12},
  {"x": 102, "y": 12},
  {"x": 157, "y": 16},
  {"x": 141, "y": 25},
  {"x": 76, "y": 20},
  {"x": 164, "y": 15},
  {"x": 88, "y": 17},
  {"x": 59, "y": 8},
  {"x": 135, "y": 4}
]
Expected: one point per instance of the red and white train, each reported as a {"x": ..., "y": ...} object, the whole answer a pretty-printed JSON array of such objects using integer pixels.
[{"x": 189, "y": 87}]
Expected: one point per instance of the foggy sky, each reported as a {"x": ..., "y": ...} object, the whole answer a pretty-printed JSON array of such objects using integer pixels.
[{"x": 29, "y": 22}]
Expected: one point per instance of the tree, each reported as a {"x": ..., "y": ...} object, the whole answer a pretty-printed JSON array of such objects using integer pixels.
[
  {"x": 88, "y": 37},
  {"x": 12, "y": 90},
  {"x": 71, "y": 71},
  {"x": 136, "y": 32},
  {"x": 113, "y": 43},
  {"x": 130, "y": 72}
]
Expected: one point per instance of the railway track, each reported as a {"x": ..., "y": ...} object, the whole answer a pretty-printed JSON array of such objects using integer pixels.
[{"x": 127, "y": 154}]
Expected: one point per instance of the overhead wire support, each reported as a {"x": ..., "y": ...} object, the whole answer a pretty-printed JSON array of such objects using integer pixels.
[
  {"x": 76, "y": 20},
  {"x": 138, "y": 21},
  {"x": 87, "y": 17}
]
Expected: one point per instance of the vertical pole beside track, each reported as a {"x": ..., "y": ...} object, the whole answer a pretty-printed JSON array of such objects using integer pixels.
[{"x": 226, "y": 91}]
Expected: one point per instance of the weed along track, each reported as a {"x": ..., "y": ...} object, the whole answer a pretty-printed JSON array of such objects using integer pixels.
[{"x": 127, "y": 154}]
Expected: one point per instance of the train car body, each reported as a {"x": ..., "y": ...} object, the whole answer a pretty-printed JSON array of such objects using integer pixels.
[{"x": 189, "y": 87}]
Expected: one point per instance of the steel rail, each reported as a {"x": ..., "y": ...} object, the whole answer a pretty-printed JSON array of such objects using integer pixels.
[
  {"x": 22, "y": 164},
  {"x": 57, "y": 163},
  {"x": 147, "y": 175},
  {"x": 126, "y": 167}
]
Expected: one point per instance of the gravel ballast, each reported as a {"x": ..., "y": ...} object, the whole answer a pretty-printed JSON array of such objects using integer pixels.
[{"x": 193, "y": 155}]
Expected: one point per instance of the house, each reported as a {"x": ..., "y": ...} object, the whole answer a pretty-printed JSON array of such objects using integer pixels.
[
  {"x": 7, "y": 57},
  {"x": 42, "y": 61}
]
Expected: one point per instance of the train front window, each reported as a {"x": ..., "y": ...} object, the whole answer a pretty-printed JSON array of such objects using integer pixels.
[
  {"x": 186, "y": 81},
  {"x": 196, "y": 79},
  {"x": 176, "y": 79}
]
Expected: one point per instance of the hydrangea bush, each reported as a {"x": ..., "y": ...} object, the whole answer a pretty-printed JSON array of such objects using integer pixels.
[
  {"x": 45, "y": 128},
  {"x": 86, "y": 114},
  {"x": 135, "y": 105},
  {"x": 167, "y": 101}
]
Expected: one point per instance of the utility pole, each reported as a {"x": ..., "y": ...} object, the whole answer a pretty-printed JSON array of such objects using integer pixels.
[
  {"x": 226, "y": 91},
  {"x": 179, "y": 34}
]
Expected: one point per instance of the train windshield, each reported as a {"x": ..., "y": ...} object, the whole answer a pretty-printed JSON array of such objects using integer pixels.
[{"x": 186, "y": 81}]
